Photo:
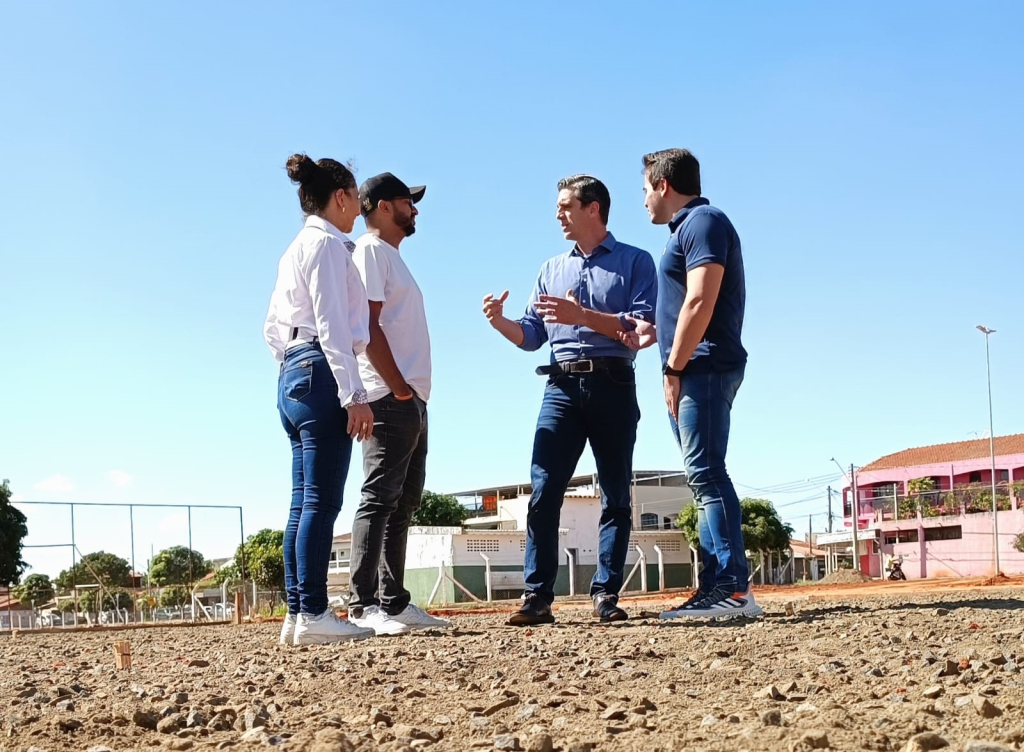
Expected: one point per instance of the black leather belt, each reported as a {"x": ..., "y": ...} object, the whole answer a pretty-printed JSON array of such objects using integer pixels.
[{"x": 585, "y": 366}]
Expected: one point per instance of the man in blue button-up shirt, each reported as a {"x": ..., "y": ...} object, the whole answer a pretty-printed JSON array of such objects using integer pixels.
[{"x": 584, "y": 300}]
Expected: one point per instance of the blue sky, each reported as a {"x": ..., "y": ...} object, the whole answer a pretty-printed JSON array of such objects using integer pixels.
[{"x": 869, "y": 156}]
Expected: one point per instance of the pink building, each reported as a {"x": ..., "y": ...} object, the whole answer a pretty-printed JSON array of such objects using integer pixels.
[{"x": 933, "y": 506}]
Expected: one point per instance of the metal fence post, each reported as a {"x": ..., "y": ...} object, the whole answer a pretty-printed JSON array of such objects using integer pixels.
[
  {"x": 572, "y": 572},
  {"x": 487, "y": 574}
]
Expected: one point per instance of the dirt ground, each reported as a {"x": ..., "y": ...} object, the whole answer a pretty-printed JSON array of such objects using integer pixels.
[{"x": 900, "y": 666}]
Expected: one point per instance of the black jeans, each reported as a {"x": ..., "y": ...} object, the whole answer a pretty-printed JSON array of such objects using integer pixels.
[{"x": 394, "y": 461}]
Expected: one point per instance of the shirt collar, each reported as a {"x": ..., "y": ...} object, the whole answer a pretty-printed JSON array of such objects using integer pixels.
[
  {"x": 673, "y": 224},
  {"x": 322, "y": 224},
  {"x": 608, "y": 244}
]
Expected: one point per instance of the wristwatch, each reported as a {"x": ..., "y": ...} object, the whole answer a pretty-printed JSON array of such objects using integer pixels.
[
  {"x": 360, "y": 397},
  {"x": 671, "y": 371}
]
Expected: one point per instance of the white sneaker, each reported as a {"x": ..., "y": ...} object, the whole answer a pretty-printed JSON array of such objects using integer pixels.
[
  {"x": 414, "y": 617},
  {"x": 379, "y": 621},
  {"x": 326, "y": 627},
  {"x": 288, "y": 629}
]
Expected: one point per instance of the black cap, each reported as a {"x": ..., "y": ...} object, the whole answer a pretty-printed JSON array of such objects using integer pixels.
[{"x": 386, "y": 187}]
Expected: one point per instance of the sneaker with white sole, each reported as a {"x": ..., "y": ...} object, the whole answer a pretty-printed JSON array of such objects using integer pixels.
[
  {"x": 327, "y": 627},
  {"x": 695, "y": 597},
  {"x": 372, "y": 617},
  {"x": 414, "y": 617},
  {"x": 720, "y": 604},
  {"x": 288, "y": 629}
]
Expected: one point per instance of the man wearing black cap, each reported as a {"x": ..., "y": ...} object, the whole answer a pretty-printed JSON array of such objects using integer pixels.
[{"x": 395, "y": 369}]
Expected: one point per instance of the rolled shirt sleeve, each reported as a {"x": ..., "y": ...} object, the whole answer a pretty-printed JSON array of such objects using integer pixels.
[
  {"x": 535, "y": 334},
  {"x": 341, "y": 313},
  {"x": 643, "y": 291}
]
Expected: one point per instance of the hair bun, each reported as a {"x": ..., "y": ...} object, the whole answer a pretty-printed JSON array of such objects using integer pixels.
[{"x": 302, "y": 169}]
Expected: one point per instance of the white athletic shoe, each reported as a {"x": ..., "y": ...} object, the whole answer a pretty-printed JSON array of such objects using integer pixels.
[
  {"x": 327, "y": 627},
  {"x": 414, "y": 617},
  {"x": 379, "y": 621},
  {"x": 288, "y": 629}
]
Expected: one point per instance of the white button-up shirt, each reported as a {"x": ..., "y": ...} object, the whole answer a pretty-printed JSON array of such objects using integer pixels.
[{"x": 319, "y": 292}]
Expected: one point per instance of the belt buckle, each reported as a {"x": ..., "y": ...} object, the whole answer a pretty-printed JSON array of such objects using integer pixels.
[{"x": 583, "y": 366}]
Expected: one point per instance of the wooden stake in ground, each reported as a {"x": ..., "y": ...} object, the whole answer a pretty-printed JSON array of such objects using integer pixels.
[
  {"x": 236, "y": 617},
  {"x": 122, "y": 655}
]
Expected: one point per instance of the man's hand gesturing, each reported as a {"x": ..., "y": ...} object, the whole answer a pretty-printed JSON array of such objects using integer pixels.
[{"x": 494, "y": 308}]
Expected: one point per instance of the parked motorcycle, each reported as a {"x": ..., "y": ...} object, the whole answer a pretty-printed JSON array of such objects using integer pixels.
[{"x": 896, "y": 570}]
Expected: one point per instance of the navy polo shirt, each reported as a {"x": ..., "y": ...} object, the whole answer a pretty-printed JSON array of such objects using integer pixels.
[{"x": 702, "y": 234}]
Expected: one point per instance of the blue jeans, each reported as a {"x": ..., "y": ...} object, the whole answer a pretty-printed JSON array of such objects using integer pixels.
[
  {"x": 600, "y": 408},
  {"x": 705, "y": 405},
  {"x": 315, "y": 421}
]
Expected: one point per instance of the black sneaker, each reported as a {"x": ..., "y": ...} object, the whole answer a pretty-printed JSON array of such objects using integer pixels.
[
  {"x": 696, "y": 597},
  {"x": 719, "y": 604},
  {"x": 534, "y": 611},
  {"x": 606, "y": 608}
]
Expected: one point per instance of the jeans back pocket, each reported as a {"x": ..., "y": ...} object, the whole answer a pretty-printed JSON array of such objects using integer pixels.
[{"x": 297, "y": 381}]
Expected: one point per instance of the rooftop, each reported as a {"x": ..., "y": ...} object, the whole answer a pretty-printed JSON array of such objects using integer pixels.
[
  {"x": 958, "y": 451},
  {"x": 640, "y": 477}
]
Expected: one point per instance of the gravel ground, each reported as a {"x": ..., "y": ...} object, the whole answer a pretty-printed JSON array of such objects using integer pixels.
[{"x": 908, "y": 672}]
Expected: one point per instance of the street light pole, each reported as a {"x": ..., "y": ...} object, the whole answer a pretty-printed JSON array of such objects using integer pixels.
[
  {"x": 992, "y": 450},
  {"x": 855, "y": 511}
]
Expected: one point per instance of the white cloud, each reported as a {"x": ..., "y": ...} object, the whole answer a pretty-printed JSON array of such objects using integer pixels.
[
  {"x": 17, "y": 497},
  {"x": 119, "y": 478},
  {"x": 55, "y": 484}
]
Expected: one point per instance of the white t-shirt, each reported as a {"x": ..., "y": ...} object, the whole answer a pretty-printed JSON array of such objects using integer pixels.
[{"x": 402, "y": 316}]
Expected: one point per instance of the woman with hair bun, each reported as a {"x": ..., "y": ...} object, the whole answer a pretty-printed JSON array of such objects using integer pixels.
[{"x": 317, "y": 324}]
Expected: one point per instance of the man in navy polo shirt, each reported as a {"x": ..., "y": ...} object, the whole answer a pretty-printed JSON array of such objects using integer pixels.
[
  {"x": 699, "y": 322},
  {"x": 582, "y": 303}
]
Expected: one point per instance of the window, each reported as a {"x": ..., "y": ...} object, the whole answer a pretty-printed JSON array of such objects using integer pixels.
[
  {"x": 953, "y": 532},
  {"x": 901, "y": 536},
  {"x": 883, "y": 491},
  {"x": 974, "y": 477},
  {"x": 334, "y": 555},
  {"x": 666, "y": 523},
  {"x": 1004, "y": 476},
  {"x": 482, "y": 546},
  {"x": 648, "y": 521}
]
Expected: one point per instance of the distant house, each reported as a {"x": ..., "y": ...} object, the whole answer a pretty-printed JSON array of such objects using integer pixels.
[
  {"x": 932, "y": 506},
  {"x": 14, "y": 612}
]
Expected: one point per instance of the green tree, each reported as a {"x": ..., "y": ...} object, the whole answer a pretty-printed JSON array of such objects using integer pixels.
[
  {"x": 171, "y": 566},
  {"x": 174, "y": 596},
  {"x": 263, "y": 557},
  {"x": 113, "y": 572},
  {"x": 763, "y": 529},
  {"x": 13, "y": 529},
  {"x": 36, "y": 588},
  {"x": 439, "y": 510},
  {"x": 89, "y": 601}
]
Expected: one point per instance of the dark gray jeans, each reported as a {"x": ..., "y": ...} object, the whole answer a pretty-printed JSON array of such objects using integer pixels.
[{"x": 394, "y": 462}]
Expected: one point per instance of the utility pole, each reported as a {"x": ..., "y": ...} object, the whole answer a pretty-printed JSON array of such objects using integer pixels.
[
  {"x": 855, "y": 508},
  {"x": 830, "y": 509},
  {"x": 992, "y": 451}
]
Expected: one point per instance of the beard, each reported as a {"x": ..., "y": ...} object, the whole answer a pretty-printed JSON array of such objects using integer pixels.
[{"x": 406, "y": 224}]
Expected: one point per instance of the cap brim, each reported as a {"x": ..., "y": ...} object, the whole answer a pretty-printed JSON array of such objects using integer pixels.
[{"x": 417, "y": 193}]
